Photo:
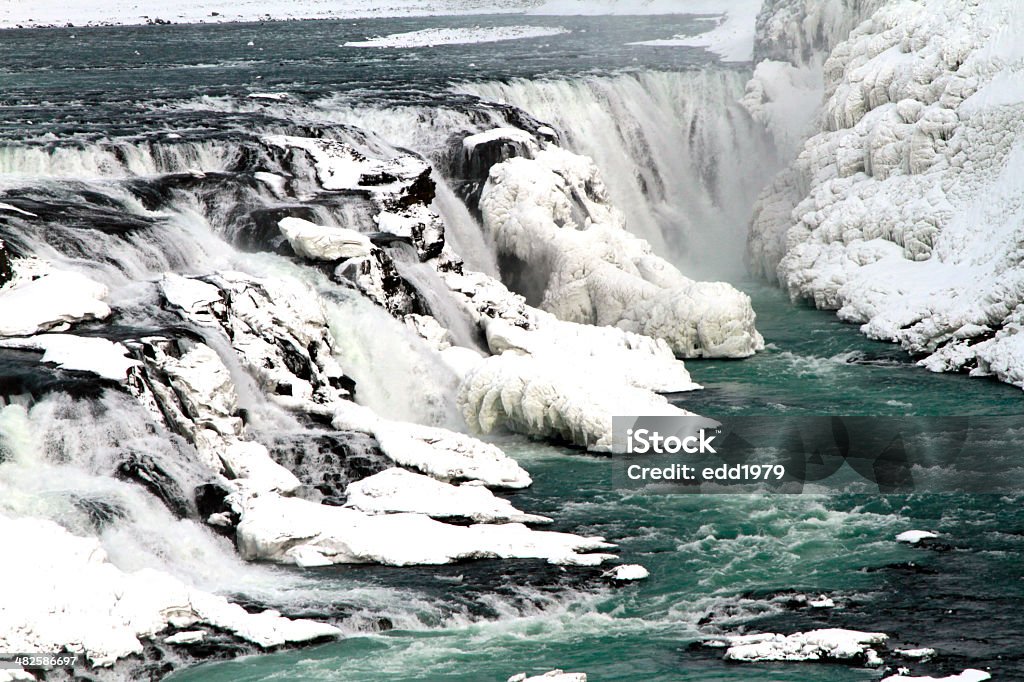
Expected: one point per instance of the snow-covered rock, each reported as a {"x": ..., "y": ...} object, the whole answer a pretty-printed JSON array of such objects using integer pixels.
[
  {"x": 831, "y": 644},
  {"x": 398, "y": 490},
  {"x": 41, "y": 298},
  {"x": 324, "y": 242},
  {"x": 912, "y": 537},
  {"x": 436, "y": 452},
  {"x": 101, "y": 357},
  {"x": 530, "y": 395},
  {"x": 296, "y": 531},
  {"x": 904, "y": 209},
  {"x": 628, "y": 573},
  {"x": 552, "y": 213},
  {"x": 16, "y": 674},
  {"x": 550, "y": 676},
  {"x": 923, "y": 653},
  {"x": 970, "y": 675},
  {"x": 66, "y": 594}
]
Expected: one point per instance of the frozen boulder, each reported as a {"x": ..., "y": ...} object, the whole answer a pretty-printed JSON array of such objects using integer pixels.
[{"x": 327, "y": 243}]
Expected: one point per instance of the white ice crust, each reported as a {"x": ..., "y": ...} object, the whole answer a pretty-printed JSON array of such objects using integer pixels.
[
  {"x": 628, "y": 573},
  {"x": 321, "y": 242},
  {"x": 66, "y": 594},
  {"x": 42, "y": 298},
  {"x": 399, "y": 490},
  {"x": 829, "y": 644},
  {"x": 292, "y": 530},
  {"x": 912, "y": 537},
  {"x": 903, "y": 212},
  {"x": 731, "y": 37},
  {"x": 432, "y": 37},
  {"x": 550, "y": 676},
  {"x": 969, "y": 675},
  {"x": 99, "y": 356},
  {"x": 552, "y": 212}
]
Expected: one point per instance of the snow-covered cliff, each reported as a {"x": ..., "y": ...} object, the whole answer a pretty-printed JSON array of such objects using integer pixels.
[{"x": 903, "y": 211}]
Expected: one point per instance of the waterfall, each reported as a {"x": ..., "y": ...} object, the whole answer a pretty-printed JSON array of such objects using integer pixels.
[{"x": 680, "y": 156}]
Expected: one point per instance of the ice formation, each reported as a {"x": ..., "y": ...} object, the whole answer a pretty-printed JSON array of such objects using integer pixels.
[
  {"x": 970, "y": 675},
  {"x": 831, "y": 644},
  {"x": 432, "y": 37},
  {"x": 912, "y": 537},
  {"x": 552, "y": 213},
  {"x": 902, "y": 213},
  {"x": 550, "y": 676}
]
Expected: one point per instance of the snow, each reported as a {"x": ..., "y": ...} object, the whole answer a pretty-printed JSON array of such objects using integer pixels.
[
  {"x": 553, "y": 213},
  {"x": 915, "y": 653},
  {"x": 16, "y": 674},
  {"x": 41, "y": 298},
  {"x": 969, "y": 675},
  {"x": 433, "y": 37},
  {"x": 398, "y": 490},
  {"x": 66, "y": 594},
  {"x": 731, "y": 38},
  {"x": 15, "y": 209},
  {"x": 439, "y": 453},
  {"x": 120, "y": 12},
  {"x": 470, "y": 142},
  {"x": 903, "y": 212},
  {"x": 85, "y": 354},
  {"x": 296, "y": 531},
  {"x": 628, "y": 572},
  {"x": 324, "y": 242},
  {"x": 550, "y": 676},
  {"x": 831, "y": 644},
  {"x": 913, "y": 537},
  {"x": 549, "y": 400}
]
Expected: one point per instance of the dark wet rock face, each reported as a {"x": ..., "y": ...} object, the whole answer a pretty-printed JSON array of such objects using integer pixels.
[
  {"x": 147, "y": 472},
  {"x": 6, "y": 268}
]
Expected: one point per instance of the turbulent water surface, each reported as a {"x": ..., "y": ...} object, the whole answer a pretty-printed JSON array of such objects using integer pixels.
[{"x": 86, "y": 111}]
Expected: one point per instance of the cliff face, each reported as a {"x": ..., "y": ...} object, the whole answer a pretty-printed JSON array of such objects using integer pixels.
[{"x": 903, "y": 211}]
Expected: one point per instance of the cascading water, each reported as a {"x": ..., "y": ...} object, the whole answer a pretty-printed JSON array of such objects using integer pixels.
[{"x": 680, "y": 156}]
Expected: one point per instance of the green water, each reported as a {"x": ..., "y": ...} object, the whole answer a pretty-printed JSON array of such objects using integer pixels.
[{"x": 725, "y": 556}]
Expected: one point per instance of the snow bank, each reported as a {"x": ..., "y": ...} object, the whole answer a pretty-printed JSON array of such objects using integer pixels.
[
  {"x": 398, "y": 490},
  {"x": 66, "y": 594},
  {"x": 912, "y": 537},
  {"x": 324, "y": 242},
  {"x": 970, "y": 675},
  {"x": 545, "y": 399},
  {"x": 80, "y": 353},
  {"x": 552, "y": 213},
  {"x": 904, "y": 210},
  {"x": 433, "y": 37},
  {"x": 40, "y": 298},
  {"x": 816, "y": 645},
  {"x": 628, "y": 572},
  {"x": 121, "y": 12},
  {"x": 550, "y": 676},
  {"x": 731, "y": 37},
  {"x": 291, "y": 530}
]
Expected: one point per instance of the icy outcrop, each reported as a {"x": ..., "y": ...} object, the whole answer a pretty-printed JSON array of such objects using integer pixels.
[
  {"x": 542, "y": 398},
  {"x": 292, "y": 530},
  {"x": 324, "y": 242},
  {"x": 913, "y": 537},
  {"x": 101, "y": 357},
  {"x": 833, "y": 644},
  {"x": 432, "y": 37},
  {"x": 38, "y": 297},
  {"x": 65, "y": 594},
  {"x": 398, "y": 490},
  {"x": 550, "y": 676},
  {"x": 628, "y": 573},
  {"x": 552, "y": 214},
  {"x": 906, "y": 207},
  {"x": 969, "y": 675}
]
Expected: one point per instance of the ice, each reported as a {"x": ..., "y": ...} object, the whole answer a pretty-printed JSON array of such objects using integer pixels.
[{"x": 433, "y": 37}]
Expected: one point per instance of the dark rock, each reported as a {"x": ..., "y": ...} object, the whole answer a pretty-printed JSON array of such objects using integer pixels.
[
  {"x": 6, "y": 268},
  {"x": 145, "y": 471}
]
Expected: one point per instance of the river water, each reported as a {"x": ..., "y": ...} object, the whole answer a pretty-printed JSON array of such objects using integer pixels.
[{"x": 87, "y": 109}]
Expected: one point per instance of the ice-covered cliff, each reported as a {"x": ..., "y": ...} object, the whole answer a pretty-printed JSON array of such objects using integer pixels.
[{"x": 903, "y": 210}]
